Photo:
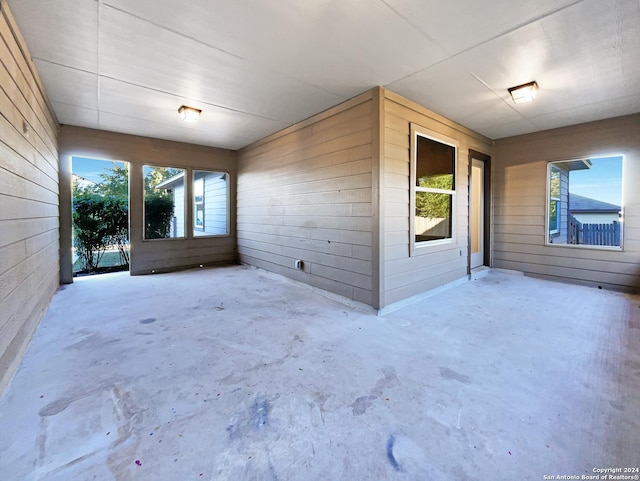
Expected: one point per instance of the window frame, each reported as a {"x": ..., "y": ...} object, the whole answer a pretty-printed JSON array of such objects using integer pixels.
[
  {"x": 551, "y": 169},
  {"x": 185, "y": 226},
  {"x": 227, "y": 179},
  {"x": 549, "y": 237},
  {"x": 427, "y": 246}
]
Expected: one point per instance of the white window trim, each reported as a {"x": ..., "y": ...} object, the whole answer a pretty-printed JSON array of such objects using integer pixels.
[
  {"x": 619, "y": 248},
  {"x": 426, "y": 247},
  {"x": 184, "y": 206},
  {"x": 227, "y": 178},
  {"x": 550, "y": 169}
]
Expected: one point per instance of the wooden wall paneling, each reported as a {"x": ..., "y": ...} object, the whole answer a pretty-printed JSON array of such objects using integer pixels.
[
  {"x": 407, "y": 275},
  {"x": 29, "y": 198},
  {"x": 520, "y": 204},
  {"x": 306, "y": 193},
  {"x": 17, "y": 44},
  {"x": 148, "y": 256}
]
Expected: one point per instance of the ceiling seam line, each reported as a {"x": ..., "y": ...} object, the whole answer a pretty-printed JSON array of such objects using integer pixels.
[
  {"x": 176, "y": 32},
  {"x": 149, "y": 88},
  {"x": 495, "y": 37},
  {"x": 406, "y": 20},
  {"x": 505, "y": 100},
  {"x": 208, "y": 45},
  {"x": 519, "y": 26},
  {"x": 211, "y": 104},
  {"x": 77, "y": 69},
  {"x": 162, "y": 123}
]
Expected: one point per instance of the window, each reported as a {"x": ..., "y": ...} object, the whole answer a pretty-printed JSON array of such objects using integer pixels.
[
  {"x": 433, "y": 179},
  {"x": 163, "y": 202},
  {"x": 584, "y": 202},
  {"x": 210, "y": 203}
]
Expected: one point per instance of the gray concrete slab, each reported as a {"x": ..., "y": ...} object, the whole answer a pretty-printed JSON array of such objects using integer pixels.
[{"x": 236, "y": 374}]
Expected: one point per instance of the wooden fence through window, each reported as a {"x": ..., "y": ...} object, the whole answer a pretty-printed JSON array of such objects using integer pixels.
[{"x": 594, "y": 234}]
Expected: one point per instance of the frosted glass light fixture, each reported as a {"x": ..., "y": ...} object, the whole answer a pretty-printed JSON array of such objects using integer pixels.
[
  {"x": 524, "y": 93},
  {"x": 189, "y": 113}
]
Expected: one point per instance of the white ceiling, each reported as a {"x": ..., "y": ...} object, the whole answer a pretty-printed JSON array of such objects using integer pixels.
[{"x": 256, "y": 66}]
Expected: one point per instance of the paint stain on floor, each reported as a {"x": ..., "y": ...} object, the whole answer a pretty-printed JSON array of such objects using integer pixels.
[{"x": 447, "y": 373}]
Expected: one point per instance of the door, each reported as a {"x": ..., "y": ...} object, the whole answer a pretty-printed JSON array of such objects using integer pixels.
[{"x": 476, "y": 213}]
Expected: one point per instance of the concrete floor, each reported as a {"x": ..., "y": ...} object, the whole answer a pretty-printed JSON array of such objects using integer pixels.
[{"x": 236, "y": 374}]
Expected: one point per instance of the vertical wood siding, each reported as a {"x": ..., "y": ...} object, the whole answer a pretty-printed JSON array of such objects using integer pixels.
[
  {"x": 306, "y": 193},
  {"x": 563, "y": 234},
  {"x": 215, "y": 205},
  {"x": 520, "y": 204},
  {"x": 404, "y": 275},
  {"x": 28, "y": 198},
  {"x": 179, "y": 211}
]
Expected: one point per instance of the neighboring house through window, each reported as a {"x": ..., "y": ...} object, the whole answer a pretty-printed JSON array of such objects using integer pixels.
[
  {"x": 198, "y": 203},
  {"x": 210, "y": 203},
  {"x": 584, "y": 202},
  {"x": 163, "y": 202}
]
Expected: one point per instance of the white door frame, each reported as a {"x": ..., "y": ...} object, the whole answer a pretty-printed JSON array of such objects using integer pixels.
[
  {"x": 482, "y": 256},
  {"x": 476, "y": 214}
]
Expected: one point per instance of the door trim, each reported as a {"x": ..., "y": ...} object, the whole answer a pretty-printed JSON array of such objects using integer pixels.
[
  {"x": 473, "y": 154},
  {"x": 476, "y": 213}
]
